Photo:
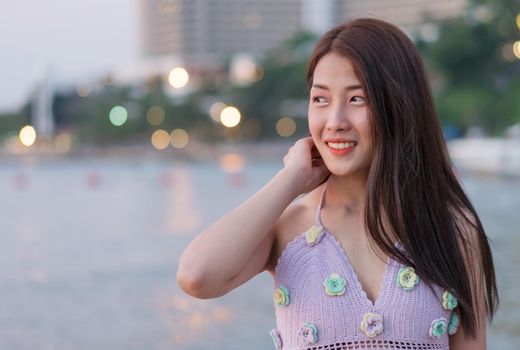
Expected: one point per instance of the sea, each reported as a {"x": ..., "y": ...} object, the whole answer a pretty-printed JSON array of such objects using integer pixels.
[{"x": 90, "y": 246}]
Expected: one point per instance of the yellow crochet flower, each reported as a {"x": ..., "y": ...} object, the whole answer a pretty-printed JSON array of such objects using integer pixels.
[
  {"x": 372, "y": 324},
  {"x": 407, "y": 279},
  {"x": 281, "y": 296},
  {"x": 449, "y": 302},
  {"x": 312, "y": 234}
]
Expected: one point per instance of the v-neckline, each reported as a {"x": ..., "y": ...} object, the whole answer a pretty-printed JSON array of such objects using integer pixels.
[{"x": 371, "y": 304}]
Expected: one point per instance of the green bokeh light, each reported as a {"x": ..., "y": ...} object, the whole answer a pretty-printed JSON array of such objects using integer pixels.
[{"x": 118, "y": 115}]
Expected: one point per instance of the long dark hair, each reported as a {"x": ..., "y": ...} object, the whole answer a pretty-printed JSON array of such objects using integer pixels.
[{"x": 413, "y": 193}]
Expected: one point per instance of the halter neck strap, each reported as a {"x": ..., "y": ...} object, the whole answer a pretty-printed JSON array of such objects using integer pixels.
[{"x": 318, "y": 211}]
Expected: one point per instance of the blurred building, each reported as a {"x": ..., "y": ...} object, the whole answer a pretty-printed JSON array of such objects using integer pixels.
[
  {"x": 206, "y": 33},
  {"x": 406, "y": 14}
]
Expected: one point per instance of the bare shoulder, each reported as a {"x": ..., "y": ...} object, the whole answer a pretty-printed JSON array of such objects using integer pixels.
[{"x": 298, "y": 217}]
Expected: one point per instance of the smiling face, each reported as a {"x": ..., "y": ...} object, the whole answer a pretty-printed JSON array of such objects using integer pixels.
[{"x": 339, "y": 117}]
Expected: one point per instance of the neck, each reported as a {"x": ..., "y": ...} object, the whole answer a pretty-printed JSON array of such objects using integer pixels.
[{"x": 347, "y": 193}]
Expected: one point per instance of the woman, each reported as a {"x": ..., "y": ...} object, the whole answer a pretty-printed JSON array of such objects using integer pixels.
[{"x": 369, "y": 236}]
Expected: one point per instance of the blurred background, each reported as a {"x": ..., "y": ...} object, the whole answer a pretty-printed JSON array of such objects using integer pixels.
[{"x": 128, "y": 126}]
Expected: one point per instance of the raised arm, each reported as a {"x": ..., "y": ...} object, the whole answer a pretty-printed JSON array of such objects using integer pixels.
[{"x": 237, "y": 247}]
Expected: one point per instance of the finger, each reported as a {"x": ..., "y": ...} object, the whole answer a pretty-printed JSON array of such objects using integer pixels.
[{"x": 306, "y": 141}]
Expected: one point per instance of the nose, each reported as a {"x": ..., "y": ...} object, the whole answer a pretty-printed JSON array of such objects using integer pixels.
[{"x": 338, "y": 118}]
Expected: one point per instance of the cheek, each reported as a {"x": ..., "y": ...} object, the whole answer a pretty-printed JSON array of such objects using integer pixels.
[
  {"x": 313, "y": 123},
  {"x": 310, "y": 124},
  {"x": 314, "y": 131},
  {"x": 364, "y": 127}
]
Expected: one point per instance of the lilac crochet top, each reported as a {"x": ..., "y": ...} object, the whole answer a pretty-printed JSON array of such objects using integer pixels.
[{"x": 320, "y": 303}]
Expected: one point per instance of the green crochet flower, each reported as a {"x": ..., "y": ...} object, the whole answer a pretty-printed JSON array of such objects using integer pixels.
[
  {"x": 407, "y": 279},
  {"x": 277, "y": 340},
  {"x": 449, "y": 302},
  {"x": 281, "y": 296},
  {"x": 454, "y": 323},
  {"x": 438, "y": 327},
  {"x": 335, "y": 285}
]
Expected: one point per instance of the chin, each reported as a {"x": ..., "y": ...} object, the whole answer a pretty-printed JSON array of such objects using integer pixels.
[{"x": 340, "y": 171}]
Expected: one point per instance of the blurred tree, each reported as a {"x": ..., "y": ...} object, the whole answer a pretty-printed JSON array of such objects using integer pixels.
[
  {"x": 11, "y": 123},
  {"x": 284, "y": 79},
  {"x": 479, "y": 73},
  {"x": 474, "y": 71}
]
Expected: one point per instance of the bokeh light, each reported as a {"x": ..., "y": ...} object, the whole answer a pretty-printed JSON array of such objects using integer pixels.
[
  {"x": 215, "y": 110},
  {"x": 244, "y": 70},
  {"x": 83, "y": 90},
  {"x": 507, "y": 52},
  {"x": 230, "y": 116},
  {"x": 160, "y": 139},
  {"x": 285, "y": 127},
  {"x": 518, "y": 21},
  {"x": 155, "y": 115},
  {"x": 232, "y": 162},
  {"x": 178, "y": 77},
  {"x": 118, "y": 115},
  {"x": 63, "y": 142},
  {"x": 516, "y": 49},
  {"x": 179, "y": 138},
  {"x": 27, "y": 135}
]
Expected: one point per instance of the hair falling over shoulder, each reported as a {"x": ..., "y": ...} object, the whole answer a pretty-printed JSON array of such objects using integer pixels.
[{"x": 413, "y": 193}]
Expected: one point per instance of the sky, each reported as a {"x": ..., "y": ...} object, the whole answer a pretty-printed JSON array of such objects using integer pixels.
[{"x": 73, "y": 40}]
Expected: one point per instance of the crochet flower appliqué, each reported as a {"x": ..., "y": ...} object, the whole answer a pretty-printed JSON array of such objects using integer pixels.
[
  {"x": 277, "y": 340},
  {"x": 454, "y": 323},
  {"x": 372, "y": 324},
  {"x": 449, "y": 302},
  {"x": 313, "y": 235},
  {"x": 335, "y": 285},
  {"x": 308, "y": 334},
  {"x": 281, "y": 296},
  {"x": 438, "y": 327},
  {"x": 407, "y": 279}
]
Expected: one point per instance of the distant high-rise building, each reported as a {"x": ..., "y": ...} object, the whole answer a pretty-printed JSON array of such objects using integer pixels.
[
  {"x": 318, "y": 16},
  {"x": 406, "y": 14},
  {"x": 42, "y": 117},
  {"x": 205, "y": 33}
]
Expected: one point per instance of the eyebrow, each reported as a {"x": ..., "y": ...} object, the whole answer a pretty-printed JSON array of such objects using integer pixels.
[{"x": 349, "y": 88}]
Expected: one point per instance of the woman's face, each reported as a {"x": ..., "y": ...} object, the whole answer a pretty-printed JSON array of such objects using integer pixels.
[{"x": 339, "y": 117}]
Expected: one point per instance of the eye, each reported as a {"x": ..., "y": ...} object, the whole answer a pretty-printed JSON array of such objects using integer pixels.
[
  {"x": 319, "y": 100},
  {"x": 358, "y": 99}
]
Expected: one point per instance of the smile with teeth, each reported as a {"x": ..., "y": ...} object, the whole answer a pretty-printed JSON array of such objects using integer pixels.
[{"x": 341, "y": 145}]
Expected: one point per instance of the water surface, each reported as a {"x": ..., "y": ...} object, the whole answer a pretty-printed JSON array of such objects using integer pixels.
[{"x": 90, "y": 249}]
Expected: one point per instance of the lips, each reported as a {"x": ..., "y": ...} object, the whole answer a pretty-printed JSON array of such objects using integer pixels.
[{"x": 340, "y": 148}]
